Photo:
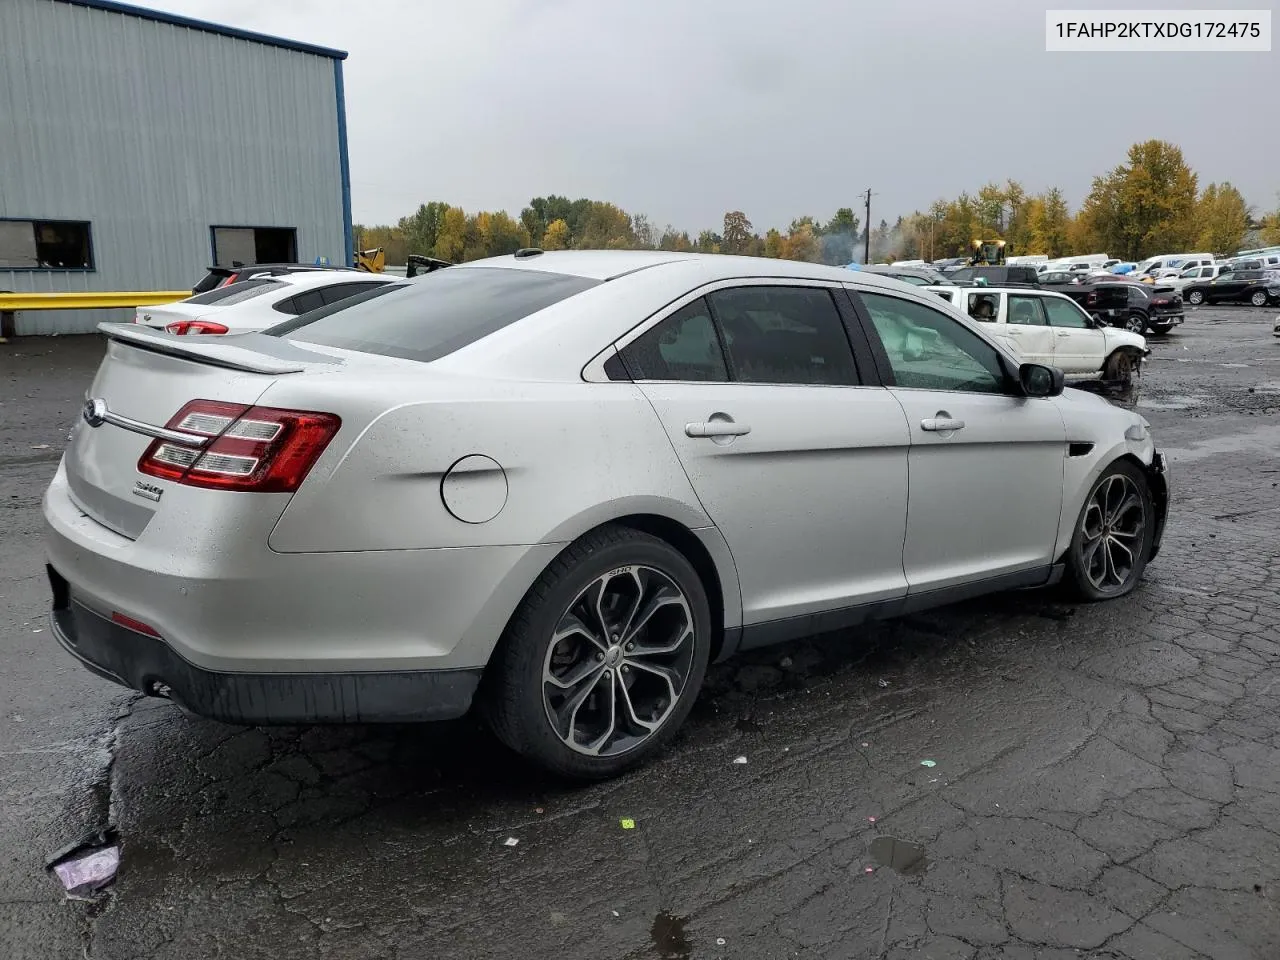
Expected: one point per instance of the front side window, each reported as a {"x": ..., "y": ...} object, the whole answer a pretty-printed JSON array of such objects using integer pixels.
[
  {"x": 1025, "y": 311},
  {"x": 1065, "y": 313},
  {"x": 45, "y": 245},
  {"x": 684, "y": 346},
  {"x": 784, "y": 335},
  {"x": 928, "y": 350}
]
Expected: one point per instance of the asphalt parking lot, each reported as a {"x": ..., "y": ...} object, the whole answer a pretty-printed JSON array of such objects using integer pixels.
[{"x": 1104, "y": 780}]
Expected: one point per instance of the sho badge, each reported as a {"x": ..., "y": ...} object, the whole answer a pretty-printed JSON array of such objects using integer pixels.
[{"x": 148, "y": 490}]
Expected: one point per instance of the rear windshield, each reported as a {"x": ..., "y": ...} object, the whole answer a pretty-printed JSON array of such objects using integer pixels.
[
  {"x": 431, "y": 316},
  {"x": 236, "y": 292}
]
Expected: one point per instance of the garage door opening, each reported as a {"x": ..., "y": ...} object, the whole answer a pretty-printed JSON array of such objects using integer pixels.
[{"x": 233, "y": 246}]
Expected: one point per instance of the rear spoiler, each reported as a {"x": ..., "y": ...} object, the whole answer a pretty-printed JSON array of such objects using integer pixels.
[{"x": 252, "y": 352}]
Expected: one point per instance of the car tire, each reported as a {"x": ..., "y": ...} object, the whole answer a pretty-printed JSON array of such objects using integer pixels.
[
  {"x": 1135, "y": 323},
  {"x": 1119, "y": 368},
  {"x": 554, "y": 652},
  {"x": 1112, "y": 539},
  {"x": 1195, "y": 297},
  {"x": 1162, "y": 329},
  {"x": 1259, "y": 298}
]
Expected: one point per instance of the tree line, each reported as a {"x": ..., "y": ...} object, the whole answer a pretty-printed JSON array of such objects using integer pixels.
[{"x": 1150, "y": 204}]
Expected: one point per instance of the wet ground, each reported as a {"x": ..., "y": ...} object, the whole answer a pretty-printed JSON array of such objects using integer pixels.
[{"x": 1012, "y": 778}]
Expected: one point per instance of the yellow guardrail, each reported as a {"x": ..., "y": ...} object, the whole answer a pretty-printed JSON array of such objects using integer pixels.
[{"x": 89, "y": 300}]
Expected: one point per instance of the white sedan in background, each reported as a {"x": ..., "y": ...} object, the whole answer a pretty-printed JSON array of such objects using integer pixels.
[{"x": 250, "y": 305}]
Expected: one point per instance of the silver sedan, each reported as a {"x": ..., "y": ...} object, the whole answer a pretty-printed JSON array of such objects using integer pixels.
[{"x": 558, "y": 485}]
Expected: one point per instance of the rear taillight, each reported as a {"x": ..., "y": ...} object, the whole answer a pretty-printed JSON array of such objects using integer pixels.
[
  {"x": 1093, "y": 299},
  {"x": 185, "y": 327},
  {"x": 1160, "y": 302},
  {"x": 261, "y": 449}
]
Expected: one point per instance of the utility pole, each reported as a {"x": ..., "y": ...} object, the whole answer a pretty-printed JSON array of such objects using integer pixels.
[{"x": 866, "y": 252}]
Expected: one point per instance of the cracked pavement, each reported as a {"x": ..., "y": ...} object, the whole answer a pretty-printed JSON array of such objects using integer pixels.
[{"x": 1106, "y": 780}]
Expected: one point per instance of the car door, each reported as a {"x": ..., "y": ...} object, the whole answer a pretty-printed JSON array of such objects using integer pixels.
[
  {"x": 1078, "y": 345},
  {"x": 801, "y": 467},
  {"x": 985, "y": 470},
  {"x": 1027, "y": 328}
]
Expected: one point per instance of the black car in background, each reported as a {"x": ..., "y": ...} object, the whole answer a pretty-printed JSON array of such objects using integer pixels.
[
  {"x": 1018, "y": 276},
  {"x": 1258, "y": 287},
  {"x": 222, "y": 276},
  {"x": 1139, "y": 307}
]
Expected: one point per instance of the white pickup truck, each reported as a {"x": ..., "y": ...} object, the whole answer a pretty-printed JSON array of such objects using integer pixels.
[{"x": 1050, "y": 328}]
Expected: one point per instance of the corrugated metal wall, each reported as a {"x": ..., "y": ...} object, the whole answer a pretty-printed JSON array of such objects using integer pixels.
[{"x": 154, "y": 133}]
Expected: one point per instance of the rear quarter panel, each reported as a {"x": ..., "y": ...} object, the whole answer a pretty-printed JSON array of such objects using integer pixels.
[{"x": 572, "y": 455}]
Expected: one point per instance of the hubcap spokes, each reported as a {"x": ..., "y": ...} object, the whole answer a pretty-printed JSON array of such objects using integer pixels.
[
  {"x": 1112, "y": 532},
  {"x": 618, "y": 661}
]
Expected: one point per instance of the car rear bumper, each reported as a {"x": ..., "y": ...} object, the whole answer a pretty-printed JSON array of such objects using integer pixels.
[
  {"x": 149, "y": 665},
  {"x": 228, "y": 606}
]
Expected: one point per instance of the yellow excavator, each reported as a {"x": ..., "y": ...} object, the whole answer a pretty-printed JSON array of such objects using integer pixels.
[
  {"x": 371, "y": 261},
  {"x": 987, "y": 253}
]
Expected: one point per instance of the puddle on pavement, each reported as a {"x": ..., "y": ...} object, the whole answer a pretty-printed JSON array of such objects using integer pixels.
[
  {"x": 668, "y": 936},
  {"x": 905, "y": 857}
]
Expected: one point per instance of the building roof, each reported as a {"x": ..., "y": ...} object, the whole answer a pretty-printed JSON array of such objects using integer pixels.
[{"x": 180, "y": 21}]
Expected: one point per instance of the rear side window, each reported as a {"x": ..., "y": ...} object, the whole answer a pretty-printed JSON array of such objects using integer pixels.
[
  {"x": 431, "y": 316},
  {"x": 784, "y": 335},
  {"x": 304, "y": 301},
  {"x": 234, "y": 293},
  {"x": 684, "y": 346},
  {"x": 345, "y": 291}
]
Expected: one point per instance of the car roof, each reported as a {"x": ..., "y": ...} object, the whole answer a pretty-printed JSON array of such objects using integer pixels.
[
  {"x": 321, "y": 278},
  {"x": 994, "y": 288},
  {"x": 610, "y": 264}
]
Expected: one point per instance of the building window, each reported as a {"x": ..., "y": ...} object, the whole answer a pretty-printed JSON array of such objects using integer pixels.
[
  {"x": 240, "y": 246},
  {"x": 45, "y": 245}
]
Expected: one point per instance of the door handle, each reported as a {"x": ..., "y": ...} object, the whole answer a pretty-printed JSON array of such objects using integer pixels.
[
  {"x": 941, "y": 424},
  {"x": 716, "y": 428},
  {"x": 1064, "y": 333}
]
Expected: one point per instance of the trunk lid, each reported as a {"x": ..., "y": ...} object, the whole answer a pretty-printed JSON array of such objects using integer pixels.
[{"x": 145, "y": 378}]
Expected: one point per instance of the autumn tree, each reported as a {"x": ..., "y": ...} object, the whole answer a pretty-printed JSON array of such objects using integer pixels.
[
  {"x": 556, "y": 236},
  {"x": 1269, "y": 227},
  {"x": 602, "y": 226},
  {"x": 990, "y": 210},
  {"x": 1223, "y": 217},
  {"x": 1144, "y": 206},
  {"x": 801, "y": 242},
  {"x": 390, "y": 239},
  {"x": 708, "y": 242},
  {"x": 451, "y": 235},
  {"x": 1048, "y": 221}
]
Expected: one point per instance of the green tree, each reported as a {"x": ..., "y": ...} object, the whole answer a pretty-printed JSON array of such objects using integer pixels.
[
  {"x": 837, "y": 236},
  {"x": 422, "y": 227},
  {"x": 673, "y": 239},
  {"x": 556, "y": 236},
  {"x": 774, "y": 244},
  {"x": 738, "y": 236},
  {"x": 1223, "y": 216},
  {"x": 642, "y": 229},
  {"x": 991, "y": 209},
  {"x": 708, "y": 242}
]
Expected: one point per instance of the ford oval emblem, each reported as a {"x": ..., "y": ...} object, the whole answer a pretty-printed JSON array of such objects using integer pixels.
[{"x": 95, "y": 412}]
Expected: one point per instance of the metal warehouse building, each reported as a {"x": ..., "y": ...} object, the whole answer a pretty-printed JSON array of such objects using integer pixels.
[{"x": 139, "y": 147}]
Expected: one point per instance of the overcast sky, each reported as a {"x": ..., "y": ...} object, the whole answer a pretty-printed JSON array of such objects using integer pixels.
[{"x": 683, "y": 109}]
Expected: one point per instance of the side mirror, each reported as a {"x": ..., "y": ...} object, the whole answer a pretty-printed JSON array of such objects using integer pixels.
[{"x": 1039, "y": 380}]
